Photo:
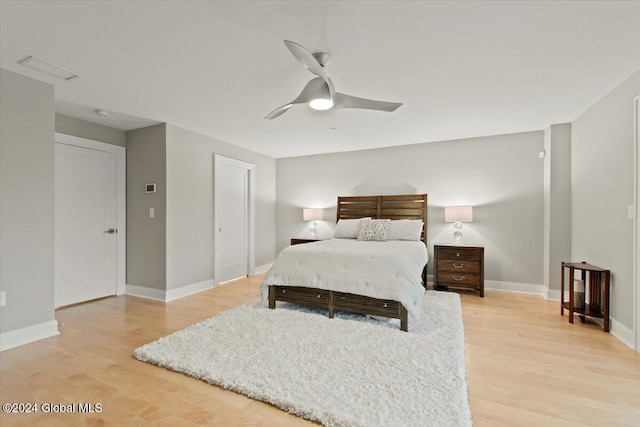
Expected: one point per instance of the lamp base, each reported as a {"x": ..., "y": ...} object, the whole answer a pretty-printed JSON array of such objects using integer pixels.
[
  {"x": 313, "y": 229},
  {"x": 457, "y": 236}
]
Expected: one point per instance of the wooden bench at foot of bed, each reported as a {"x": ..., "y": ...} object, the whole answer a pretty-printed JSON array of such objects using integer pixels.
[{"x": 342, "y": 301}]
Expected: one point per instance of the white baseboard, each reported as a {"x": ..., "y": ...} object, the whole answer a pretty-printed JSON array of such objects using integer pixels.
[
  {"x": 144, "y": 292},
  {"x": 171, "y": 294},
  {"x": 554, "y": 294},
  {"x": 515, "y": 287},
  {"x": 623, "y": 333},
  {"x": 184, "y": 291},
  {"x": 29, "y": 334},
  {"x": 550, "y": 294},
  {"x": 495, "y": 285},
  {"x": 259, "y": 269}
]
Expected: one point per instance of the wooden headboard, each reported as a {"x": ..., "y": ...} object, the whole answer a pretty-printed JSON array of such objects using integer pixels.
[{"x": 405, "y": 206}]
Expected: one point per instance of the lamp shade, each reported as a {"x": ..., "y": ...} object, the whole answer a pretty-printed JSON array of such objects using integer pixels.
[
  {"x": 458, "y": 213},
  {"x": 312, "y": 214}
]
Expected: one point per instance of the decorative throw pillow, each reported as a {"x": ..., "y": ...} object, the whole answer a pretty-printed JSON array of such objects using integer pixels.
[
  {"x": 374, "y": 230},
  {"x": 348, "y": 228},
  {"x": 405, "y": 229}
]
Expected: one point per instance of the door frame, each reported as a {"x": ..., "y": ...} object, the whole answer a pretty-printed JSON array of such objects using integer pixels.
[
  {"x": 121, "y": 197},
  {"x": 636, "y": 228},
  {"x": 251, "y": 223}
]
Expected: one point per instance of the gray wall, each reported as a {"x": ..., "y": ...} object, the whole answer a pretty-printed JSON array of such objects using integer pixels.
[
  {"x": 176, "y": 248},
  {"x": 602, "y": 182},
  {"x": 557, "y": 203},
  {"x": 190, "y": 204},
  {"x": 501, "y": 176},
  {"x": 26, "y": 201},
  {"x": 146, "y": 237},
  {"x": 84, "y": 129}
]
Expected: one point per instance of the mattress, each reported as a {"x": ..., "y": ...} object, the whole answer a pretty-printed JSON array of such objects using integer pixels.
[{"x": 384, "y": 270}]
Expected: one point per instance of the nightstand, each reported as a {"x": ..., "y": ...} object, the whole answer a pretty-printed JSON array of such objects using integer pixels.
[
  {"x": 459, "y": 266},
  {"x": 300, "y": 241}
]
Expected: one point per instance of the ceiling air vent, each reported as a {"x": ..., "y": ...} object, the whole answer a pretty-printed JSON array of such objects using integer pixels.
[{"x": 45, "y": 67}]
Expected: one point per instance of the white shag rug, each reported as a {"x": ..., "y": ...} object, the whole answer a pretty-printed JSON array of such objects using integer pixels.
[{"x": 346, "y": 371}]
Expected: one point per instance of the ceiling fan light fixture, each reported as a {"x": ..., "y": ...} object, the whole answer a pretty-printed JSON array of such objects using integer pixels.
[
  {"x": 320, "y": 92},
  {"x": 321, "y": 104}
]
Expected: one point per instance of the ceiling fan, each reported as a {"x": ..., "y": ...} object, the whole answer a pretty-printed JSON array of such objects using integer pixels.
[{"x": 320, "y": 93}]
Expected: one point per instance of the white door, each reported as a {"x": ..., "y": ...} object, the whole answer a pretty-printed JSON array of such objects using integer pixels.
[
  {"x": 232, "y": 218},
  {"x": 85, "y": 224}
]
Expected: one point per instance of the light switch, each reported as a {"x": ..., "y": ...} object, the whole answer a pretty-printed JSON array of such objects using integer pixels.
[
  {"x": 630, "y": 212},
  {"x": 152, "y": 212}
]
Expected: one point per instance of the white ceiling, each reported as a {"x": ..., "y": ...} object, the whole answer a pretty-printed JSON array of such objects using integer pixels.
[{"x": 462, "y": 69}]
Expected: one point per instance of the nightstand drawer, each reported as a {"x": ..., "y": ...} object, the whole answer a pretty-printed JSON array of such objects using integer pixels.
[
  {"x": 458, "y": 279},
  {"x": 467, "y": 254},
  {"x": 458, "y": 266}
]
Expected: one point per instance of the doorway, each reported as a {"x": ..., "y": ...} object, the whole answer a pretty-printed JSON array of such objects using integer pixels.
[
  {"x": 89, "y": 220},
  {"x": 234, "y": 219}
]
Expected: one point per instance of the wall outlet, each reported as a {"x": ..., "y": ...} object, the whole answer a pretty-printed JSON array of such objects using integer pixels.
[
  {"x": 152, "y": 212},
  {"x": 3, "y": 299}
]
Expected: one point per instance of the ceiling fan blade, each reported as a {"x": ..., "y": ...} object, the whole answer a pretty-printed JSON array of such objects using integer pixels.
[
  {"x": 332, "y": 90},
  {"x": 305, "y": 57},
  {"x": 346, "y": 101},
  {"x": 314, "y": 89},
  {"x": 309, "y": 62},
  {"x": 278, "y": 111}
]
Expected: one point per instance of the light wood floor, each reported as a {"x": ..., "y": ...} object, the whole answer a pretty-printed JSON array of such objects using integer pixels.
[{"x": 526, "y": 366}]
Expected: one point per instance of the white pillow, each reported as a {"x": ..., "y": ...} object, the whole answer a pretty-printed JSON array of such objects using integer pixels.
[
  {"x": 405, "y": 229},
  {"x": 348, "y": 228},
  {"x": 374, "y": 230}
]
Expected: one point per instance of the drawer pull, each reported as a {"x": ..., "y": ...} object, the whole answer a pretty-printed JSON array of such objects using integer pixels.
[
  {"x": 343, "y": 297},
  {"x": 457, "y": 266},
  {"x": 385, "y": 305},
  {"x": 284, "y": 291},
  {"x": 457, "y": 254},
  {"x": 458, "y": 279},
  {"x": 319, "y": 296}
]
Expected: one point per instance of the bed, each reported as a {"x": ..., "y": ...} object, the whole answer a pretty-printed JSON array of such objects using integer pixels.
[{"x": 365, "y": 277}]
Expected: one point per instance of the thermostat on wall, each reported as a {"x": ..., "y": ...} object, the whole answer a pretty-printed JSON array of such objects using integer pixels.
[{"x": 150, "y": 188}]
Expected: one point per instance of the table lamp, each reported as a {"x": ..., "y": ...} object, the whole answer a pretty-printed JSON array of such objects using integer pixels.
[
  {"x": 312, "y": 214},
  {"x": 458, "y": 215}
]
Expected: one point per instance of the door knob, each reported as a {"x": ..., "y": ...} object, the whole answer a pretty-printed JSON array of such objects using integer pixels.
[{"x": 111, "y": 231}]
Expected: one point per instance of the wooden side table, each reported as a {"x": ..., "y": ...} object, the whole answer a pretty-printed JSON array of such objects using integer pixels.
[{"x": 597, "y": 283}]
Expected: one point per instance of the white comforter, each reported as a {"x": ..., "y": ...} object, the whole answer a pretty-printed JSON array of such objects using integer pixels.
[{"x": 385, "y": 270}]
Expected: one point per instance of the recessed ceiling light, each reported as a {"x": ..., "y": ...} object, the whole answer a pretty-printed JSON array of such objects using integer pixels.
[
  {"x": 47, "y": 68},
  {"x": 103, "y": 113}
]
